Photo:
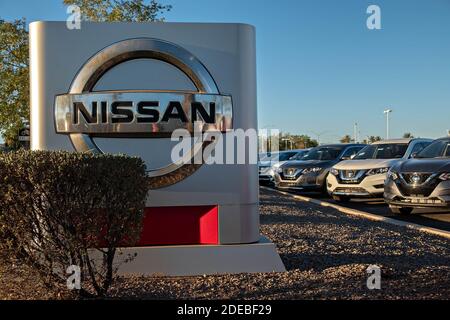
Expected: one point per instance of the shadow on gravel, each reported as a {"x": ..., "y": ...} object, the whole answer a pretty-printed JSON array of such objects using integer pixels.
[
  {"x": 280, "y": 218},
  {"x": 320, "y": 262},
  {"x": 310, "y": 237}
]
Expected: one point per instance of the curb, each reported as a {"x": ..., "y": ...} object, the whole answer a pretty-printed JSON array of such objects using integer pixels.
[{"x": 366, "y": 215}]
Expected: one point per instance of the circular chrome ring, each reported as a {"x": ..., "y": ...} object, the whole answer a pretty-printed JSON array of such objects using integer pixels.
[{"x": 144, "y": 48}]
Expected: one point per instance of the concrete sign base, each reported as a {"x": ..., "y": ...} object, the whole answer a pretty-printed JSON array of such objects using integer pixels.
[{"x": 201, "y": 260}]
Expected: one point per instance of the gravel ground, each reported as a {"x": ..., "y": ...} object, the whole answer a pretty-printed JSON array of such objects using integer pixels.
[{"x": 325, "y": 252}]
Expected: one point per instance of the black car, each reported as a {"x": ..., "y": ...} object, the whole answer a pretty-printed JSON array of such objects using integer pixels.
[
  {"x": 422, "y": 182},
  {"x": 310, "y": 173}
]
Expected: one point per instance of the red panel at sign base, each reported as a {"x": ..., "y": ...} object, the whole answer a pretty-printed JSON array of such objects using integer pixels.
[{"x": 180, "y": 225}]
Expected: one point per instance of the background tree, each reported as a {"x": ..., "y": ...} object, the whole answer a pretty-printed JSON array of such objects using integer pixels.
[
  {"x": 408, "y": 135},
  {"x": 304, "y": 141},
  {"x": 346, "y": 139},
  {"x": 372, "y": 139},
  {"x": 14, "y": 79},
  {"x": 120, "y": 10},
  {"x": 296, "y": 141},
  {"x": 14, "y": 65}
]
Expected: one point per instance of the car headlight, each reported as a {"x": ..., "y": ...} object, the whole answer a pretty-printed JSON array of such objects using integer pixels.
[
  {"x": 334, "y": 172},
  {"x": 445, "y": 176},
  {"x": 312, "y": 170},
  {"x": 373, "y": 172},
  {"x": 392, "y": 175}
]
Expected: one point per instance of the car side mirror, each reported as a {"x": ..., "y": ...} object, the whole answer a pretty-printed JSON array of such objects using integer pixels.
[
  {"x": 346, "y": 158},
  {"x": 414, "y": 155}
]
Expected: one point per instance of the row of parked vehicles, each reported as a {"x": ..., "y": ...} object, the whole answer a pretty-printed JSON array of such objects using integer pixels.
[{"x": 408, "y": 173}]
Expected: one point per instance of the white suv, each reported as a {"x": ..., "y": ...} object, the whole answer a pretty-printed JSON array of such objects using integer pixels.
[{"x": 364, "y": 175}]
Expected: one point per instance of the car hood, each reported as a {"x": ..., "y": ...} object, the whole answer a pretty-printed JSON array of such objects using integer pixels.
[
  {"x": 437, "y": 165},
  {"x": 308, "y": 164},
  {"x": 268, "y": 164},
  {"x": 279, "y": 164},
  {"x": 366, "y": 164},
  {"x": 263, "y": 164}
]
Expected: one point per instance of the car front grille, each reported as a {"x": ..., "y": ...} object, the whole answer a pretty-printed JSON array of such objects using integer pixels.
[
  {"x": 416, "y": 178},
  {"x": 350, "y": 190},
  {"x": 290, "y": 173},
  {"x": 420, "y": 185},
  {"x": 288, "y": 185},
  {"x": 419, "y": 200},
  {"x": 351, "y": 176}
]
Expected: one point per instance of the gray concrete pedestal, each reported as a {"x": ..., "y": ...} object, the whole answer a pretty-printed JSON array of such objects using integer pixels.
[{"x": 194, "y": 260}]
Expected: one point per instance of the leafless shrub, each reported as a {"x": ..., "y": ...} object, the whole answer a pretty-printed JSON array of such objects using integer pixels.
[{"x": 57, "y": 208}]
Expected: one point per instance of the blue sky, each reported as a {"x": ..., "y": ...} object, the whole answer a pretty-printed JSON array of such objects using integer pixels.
[{"x": 320, "y": 69}]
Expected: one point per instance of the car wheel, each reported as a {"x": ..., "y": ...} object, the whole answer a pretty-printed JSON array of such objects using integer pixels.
[
  {"x": 397, "y": 210},
  {"x": 324, "y": 189},
  {"x": 341, "y": 198}
]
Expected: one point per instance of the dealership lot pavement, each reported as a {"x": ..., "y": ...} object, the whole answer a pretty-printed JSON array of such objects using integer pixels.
[
  {"x": 429, "y": 218},
  {"x": 326, "y": 253}
]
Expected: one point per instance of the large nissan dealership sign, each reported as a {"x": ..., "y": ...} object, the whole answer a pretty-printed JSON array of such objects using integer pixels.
[{"x": 125, "y": 88}]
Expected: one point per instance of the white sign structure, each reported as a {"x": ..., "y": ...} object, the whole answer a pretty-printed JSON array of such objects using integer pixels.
[{"x": 125, "y": 87}]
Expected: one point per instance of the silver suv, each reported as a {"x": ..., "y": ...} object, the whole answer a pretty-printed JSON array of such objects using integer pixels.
[
  {"x": 271, "y": 161},
  {"x": 310, "y": 172},
  {"x": 364, "y": 175}
]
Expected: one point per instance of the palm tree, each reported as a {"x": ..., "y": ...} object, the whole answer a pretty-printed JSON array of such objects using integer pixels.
[
  {"x": 408, "y": 135},
  {"x": 346, "y": 139}
]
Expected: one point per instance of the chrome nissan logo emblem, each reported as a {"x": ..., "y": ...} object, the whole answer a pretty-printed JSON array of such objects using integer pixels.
[
  {"x": 84, "y": 114},
  {"x": 415, "y": 178}
]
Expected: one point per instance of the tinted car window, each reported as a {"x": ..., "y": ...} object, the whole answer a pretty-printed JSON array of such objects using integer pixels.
[
  {"x": 382, "y": 151},
  {"x": 286, "y": 156},
  {"x": 324, "y": 153},
  {"x": 270, "y": 156},
  {"x": 419, "y": 147},
  {"x": 299, "y": 156},
  {"x": 439, "y": 148},
  {"x": 351, "y": 152}
]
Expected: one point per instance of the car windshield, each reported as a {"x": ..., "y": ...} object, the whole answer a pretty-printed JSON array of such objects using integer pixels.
[
  {"x": 382, "y": 151},
  {"x": 284, "y": 156},
  {"x": 438, "y": 149},
  {"x": 278, "y": 156},
  {"x": 323, "y": 153},
  {"x": 268, "y": 156},
  {"x": 300, "y": 155}
]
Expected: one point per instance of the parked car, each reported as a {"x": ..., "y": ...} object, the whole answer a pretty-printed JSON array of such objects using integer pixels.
[
  {"x": 421, "y": 182},
  {"x": 310, "y": 172},
  {"x": 269, "y": 162},
  {"x": 364, "y": 175}
]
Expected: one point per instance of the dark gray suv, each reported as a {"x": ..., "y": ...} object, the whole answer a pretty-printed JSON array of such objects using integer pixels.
[
  {"x": 422, "y": 182},
  {"x": 310, "y": 173}
]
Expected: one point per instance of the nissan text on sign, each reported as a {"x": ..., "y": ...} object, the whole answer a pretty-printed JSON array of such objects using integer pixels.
[{"x": 125, "y": 88}]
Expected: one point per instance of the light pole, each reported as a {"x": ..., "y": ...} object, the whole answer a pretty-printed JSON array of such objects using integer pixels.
[
  {"x": 387, "y": 112},
  {"x": 268, "y": 136},
  {"x": 355, "y": 133},
  {"x": 290, "y": 143},
  {"x": 319, "y": 134}
]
